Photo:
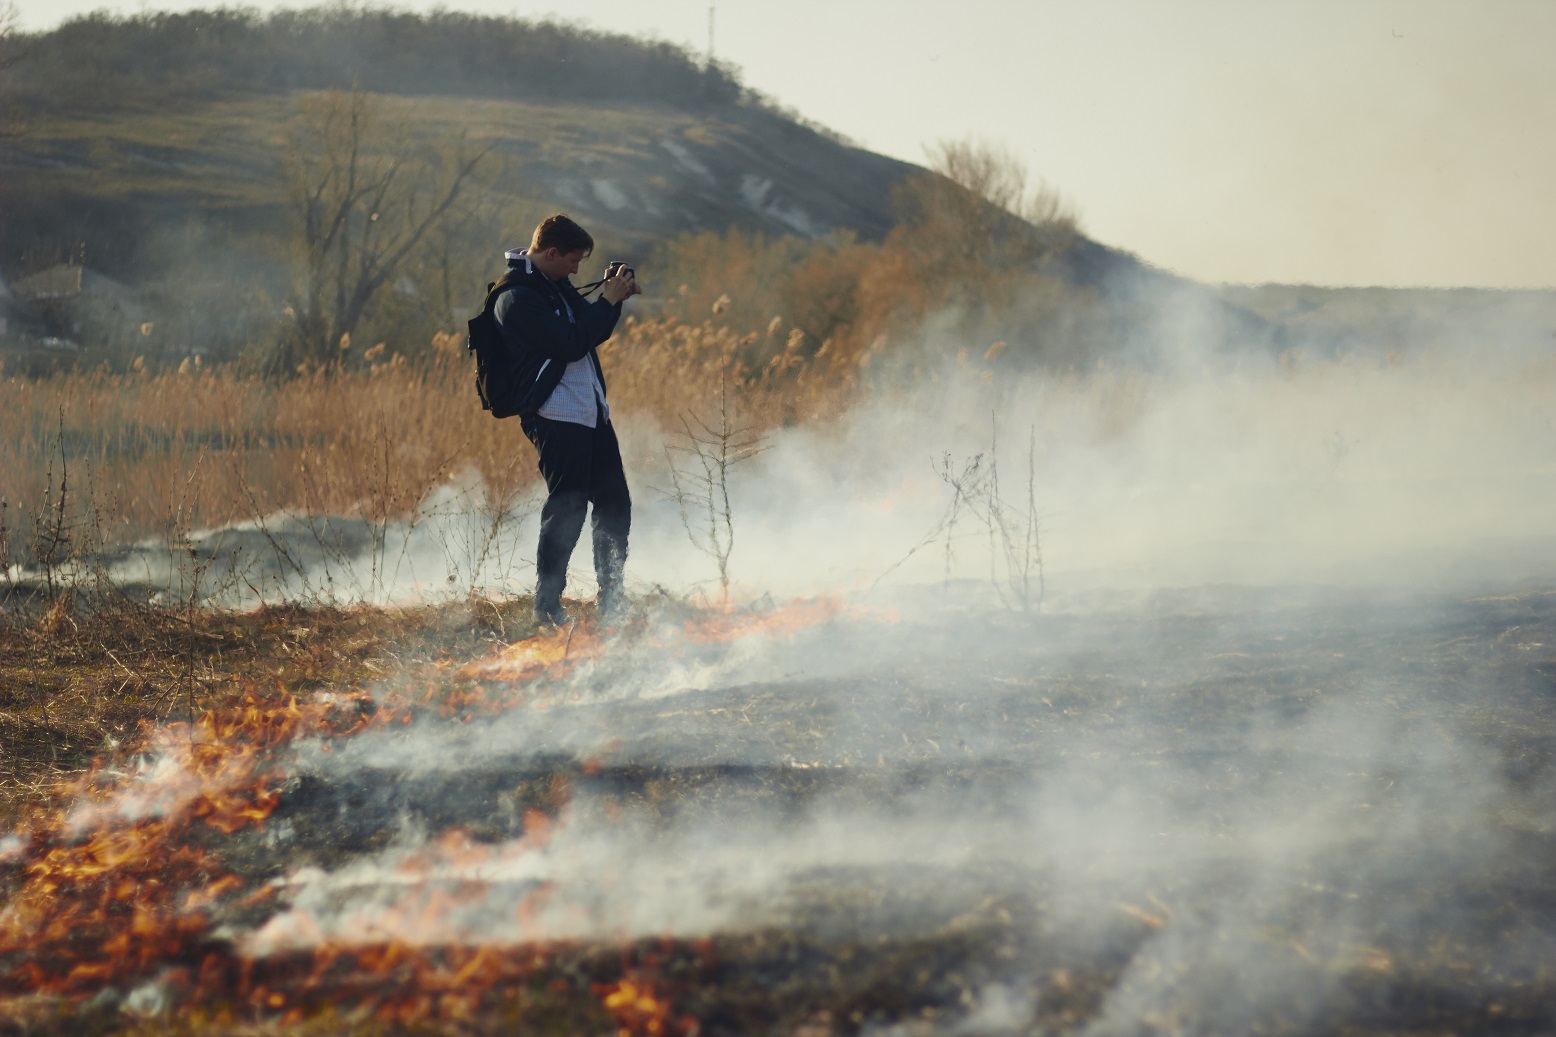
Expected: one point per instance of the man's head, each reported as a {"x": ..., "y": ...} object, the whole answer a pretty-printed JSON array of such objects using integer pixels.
[{"x": 558, "y": 246}]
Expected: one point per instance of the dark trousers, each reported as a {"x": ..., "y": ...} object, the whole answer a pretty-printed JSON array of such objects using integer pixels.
[{"x": 581, "y": 465}]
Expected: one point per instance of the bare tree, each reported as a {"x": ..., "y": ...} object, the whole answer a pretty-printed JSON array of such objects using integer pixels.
[
  {"x": 365, "y": 196},
  {"x": 699, "y": 476},
  {"x": 1015, "y": 541},
  {"x": 993, "y": 173},
  {"x": 8, "y": 29}
]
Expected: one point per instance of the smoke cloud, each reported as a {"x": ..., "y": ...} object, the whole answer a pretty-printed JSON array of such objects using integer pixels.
[
  {"x": 1264, "y": 753},
  {"x": 1228, "y": 809}
]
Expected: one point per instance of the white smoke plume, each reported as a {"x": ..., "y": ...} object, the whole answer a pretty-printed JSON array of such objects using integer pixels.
[
  {"x": 1437, "y": 469},
  {"x": 1266, "y": 738}
]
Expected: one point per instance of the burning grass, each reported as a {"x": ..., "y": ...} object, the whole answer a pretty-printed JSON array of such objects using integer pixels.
[
  {"x": 244, "y": 869},
  {"x": 554, "y": 654},
  {"x": 80, "y": 684},
  {"x": 126, "y": 886}
]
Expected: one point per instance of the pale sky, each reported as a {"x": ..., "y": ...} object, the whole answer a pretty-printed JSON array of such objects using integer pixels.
[{"x": 1368, "y": 142}]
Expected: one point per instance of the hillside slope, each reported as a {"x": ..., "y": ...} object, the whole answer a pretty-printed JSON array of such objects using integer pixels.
[
  {"x": 191, "y": 203},
  {"x": 636, "y": 172}
]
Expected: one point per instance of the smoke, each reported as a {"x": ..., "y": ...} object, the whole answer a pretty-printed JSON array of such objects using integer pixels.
[
  {"x": 1262, "y": 758},
  {"x": 1228, "y": 810},
  {"x": 1196, "y": 458},
  {"x": 1424, "y": 468},
  {"x": 1428, "y": 472},
  {"x": 460, "y": 541}
]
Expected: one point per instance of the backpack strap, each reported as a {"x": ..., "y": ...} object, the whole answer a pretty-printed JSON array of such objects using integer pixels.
[
  {"x": 512, "y": 278},
  {"x": 495, "y": 288}
]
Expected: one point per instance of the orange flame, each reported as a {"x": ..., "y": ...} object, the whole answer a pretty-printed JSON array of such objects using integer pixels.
[
  {"x": 787, "y": 619},
  {"x": 553, "y": 655},
  {"x": 119, "y": 885},
  {"x": 639, "y": 1012},
  {"x": 107, "y": 909}
]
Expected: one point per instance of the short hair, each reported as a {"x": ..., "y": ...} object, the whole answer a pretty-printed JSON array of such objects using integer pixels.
[{"x": 561, "y": 233}]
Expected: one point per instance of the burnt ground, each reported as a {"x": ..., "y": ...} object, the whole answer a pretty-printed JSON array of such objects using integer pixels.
[
  {"x": 1211, "y": 811},
  {"x": 80, "y": 671}
]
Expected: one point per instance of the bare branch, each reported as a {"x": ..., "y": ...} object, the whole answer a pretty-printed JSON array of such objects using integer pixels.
[
  {"x": 362, "y": 193},
  {"x": 700, "y": 468}
]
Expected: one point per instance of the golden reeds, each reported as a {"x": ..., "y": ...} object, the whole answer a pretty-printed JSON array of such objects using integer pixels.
[{"x": 143, "y": 454}]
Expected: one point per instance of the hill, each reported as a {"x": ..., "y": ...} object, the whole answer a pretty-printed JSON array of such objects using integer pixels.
[
  {"x": 188, "y": 201},
  {"x": 637, "y": 171},
  {"x": 156, "y": 150},
  {"x": 127, "y": 126}
]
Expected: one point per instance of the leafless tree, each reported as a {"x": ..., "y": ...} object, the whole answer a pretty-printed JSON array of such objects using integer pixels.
[
  {"x": 8, "y": 30},
  {"x": 1015, "y": 543},
  {"x": 700, "y": 467},
  {"x": 365, "y": 196}
]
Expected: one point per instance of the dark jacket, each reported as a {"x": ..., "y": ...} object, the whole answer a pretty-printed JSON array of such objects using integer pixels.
[{"x": 541, "y": 340}]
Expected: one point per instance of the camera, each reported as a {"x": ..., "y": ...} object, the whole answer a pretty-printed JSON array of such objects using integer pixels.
[{"x": 615, "y": 267}]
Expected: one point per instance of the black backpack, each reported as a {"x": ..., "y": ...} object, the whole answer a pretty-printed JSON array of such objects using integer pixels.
[{"x": 494, "y": 381}]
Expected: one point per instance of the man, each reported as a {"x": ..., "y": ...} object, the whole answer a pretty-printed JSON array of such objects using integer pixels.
[{"x": 552, "y": 333}]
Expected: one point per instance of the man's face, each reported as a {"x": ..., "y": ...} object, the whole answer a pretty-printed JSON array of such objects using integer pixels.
[{"x": 557, "y": 264}]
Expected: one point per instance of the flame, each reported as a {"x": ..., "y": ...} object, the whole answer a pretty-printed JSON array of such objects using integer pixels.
[
  {"x": 554, "y": 655},
  {"x": 731, "y": 624},
  {"x": 115, "y": 887},
  {"x": 124, "y": 884},
  {"x": 638, "y": 1010}
]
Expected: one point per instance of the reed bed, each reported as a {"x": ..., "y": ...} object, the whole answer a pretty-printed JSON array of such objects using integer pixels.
[{"x": 95, "y": 458}]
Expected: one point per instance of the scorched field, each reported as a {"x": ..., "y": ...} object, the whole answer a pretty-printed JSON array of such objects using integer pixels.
[{"x": 1209, "y": 811}]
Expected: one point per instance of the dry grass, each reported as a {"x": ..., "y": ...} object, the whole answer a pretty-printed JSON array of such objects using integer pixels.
[
  {"x": 78, "y": 684},
  {"x": 666, "y": 367},
  {"x": 205, "y": 447},
  {"x": 143, "y": 454}
]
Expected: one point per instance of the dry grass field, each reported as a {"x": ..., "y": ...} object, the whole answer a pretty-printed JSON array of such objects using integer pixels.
[
  {"x": 92, "y": 459},
  {"x": 1291, "y": 810}
]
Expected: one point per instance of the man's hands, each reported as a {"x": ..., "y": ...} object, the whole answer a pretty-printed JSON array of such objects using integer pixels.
[{"x": 620, "y": 284}]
